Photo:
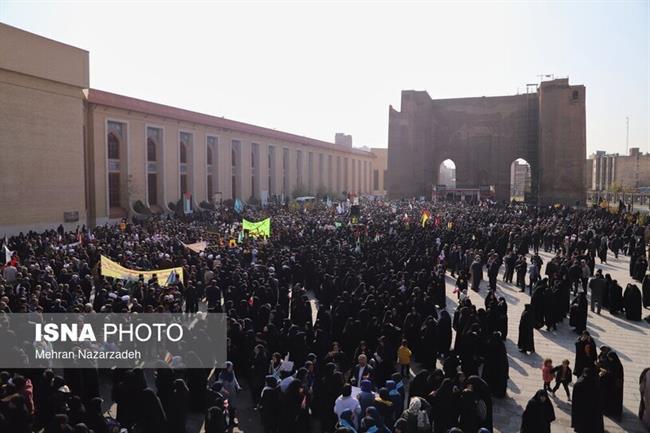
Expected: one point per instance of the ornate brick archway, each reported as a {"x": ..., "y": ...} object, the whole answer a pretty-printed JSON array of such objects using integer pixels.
[{"x": 484, "y": 135}]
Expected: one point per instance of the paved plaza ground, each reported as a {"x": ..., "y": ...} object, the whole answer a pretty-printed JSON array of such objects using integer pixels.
[{"x": 631, "y": 340}]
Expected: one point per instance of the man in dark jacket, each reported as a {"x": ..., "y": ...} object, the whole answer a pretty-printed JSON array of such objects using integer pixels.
[{"x": 597, "y": 286}]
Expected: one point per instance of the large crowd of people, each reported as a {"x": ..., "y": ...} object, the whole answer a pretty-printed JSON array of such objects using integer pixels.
[{"x": 328, "y": 318}]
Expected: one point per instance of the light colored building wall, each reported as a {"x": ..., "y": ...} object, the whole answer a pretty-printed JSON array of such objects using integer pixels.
[
  {"x": 380, "y": 163},
  {"x": 613, "y": 171},
  {"x": 41, "y": 132},
  {"x": 136, "y": 166},
  {"x": 632, "y": 171},
  {"x": 56, "y": 131}
]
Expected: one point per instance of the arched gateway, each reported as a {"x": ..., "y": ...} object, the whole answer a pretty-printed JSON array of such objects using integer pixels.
[{"x": 484, "y": 135}]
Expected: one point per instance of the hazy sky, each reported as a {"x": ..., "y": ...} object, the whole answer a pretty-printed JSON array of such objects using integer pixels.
[{"x": 316, "y": 69}]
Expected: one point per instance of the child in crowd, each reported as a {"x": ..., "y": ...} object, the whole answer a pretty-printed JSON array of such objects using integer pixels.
[
  {"x": 404, "y": 358},
  {"x": 563, "y": 376},
  {"x": 547, "y": 373}
]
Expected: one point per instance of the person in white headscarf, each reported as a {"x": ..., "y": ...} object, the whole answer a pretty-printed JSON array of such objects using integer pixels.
[{"x": 417, "y": 416}]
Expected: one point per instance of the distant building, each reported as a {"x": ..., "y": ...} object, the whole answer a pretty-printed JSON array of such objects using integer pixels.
[
  {"x": 611, "y": 172},
  {"x": 343, "y": 139},
  {"x": 520, "y": 175},
  {"x": 447, "y": 176}
]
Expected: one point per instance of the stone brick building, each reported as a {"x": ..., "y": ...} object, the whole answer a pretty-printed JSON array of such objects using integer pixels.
[
  {"x": 73, "y": 155},
  {"x": 484, "y": 135}
]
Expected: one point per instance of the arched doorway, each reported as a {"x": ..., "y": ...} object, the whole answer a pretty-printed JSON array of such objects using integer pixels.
[
  {"x": 520, "y": 180},
  {"x": 447, "y": 173}
]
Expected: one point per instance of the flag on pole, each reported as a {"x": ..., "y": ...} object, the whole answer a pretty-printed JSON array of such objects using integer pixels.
[
  {"x": 425, "y": 217},
  {"x": 8, "y": 254},
  {"x": 239, "y": 206},
  {"x": 172, "y": 278}
]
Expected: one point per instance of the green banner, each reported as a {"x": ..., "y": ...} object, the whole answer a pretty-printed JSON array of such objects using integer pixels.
[{"x": 259, "y": 228}]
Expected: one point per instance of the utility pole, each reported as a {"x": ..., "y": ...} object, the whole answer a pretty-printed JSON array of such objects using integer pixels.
[{"x": 627, "y": 136}]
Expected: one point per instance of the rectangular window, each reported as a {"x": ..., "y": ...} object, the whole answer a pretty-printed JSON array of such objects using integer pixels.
[
  {"x": 271, "y": 169},
  {"x": 299, "y": 168},
  {"x": 212, "y": 156},
  {"x": 114, "y": 189},
  {"x": 338, "y": 175},
  {"x": 152, "y": 189},
  {"x": 154, "y": 141},
  {"x": 310, "y": 173},
  {"x": 285, "y": 171},
  {"x": 321, "y": 169},
  {"x": 329, "y": 172},
  {"x": 359, "y": 175},
  {"x": 115, "y": 137},
  {"x": 236, "y": 152},
  {"x": 255, "y": 153},
  {"x": 212, "y": 144},
  {"x": 383, "y": 184},
  {"x": 375, "y": 180},
  {"x": 185, "y": 147}
]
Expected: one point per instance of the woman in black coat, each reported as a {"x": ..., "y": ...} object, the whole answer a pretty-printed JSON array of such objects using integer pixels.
[
  {"x": 470, "y": 419},
  {"x": 476, "y": 273},
  {"x": 444, "y": 407},
  {"x": 526, "y": 342},
  {"x": 427, "y": 333},
  {"x": 95, "y": 419},
  {"x": 443, "y": 333},
  {"x": 177, "y": 413},
  {"x": 537, "y": 306},
  {"x": 419, "y": 386},
  {"x": 578, "y": 314},
  {"x": 585, "y": 353},
  {"x": 484, "y": 406},
  {"x": 215, "y": 420},
  {"x": 586, "y": 409},
  {"x": 151, "y": 416},
  {"x": 495, "y": 369},
  {"x": 646, "y": 291},
  {"x": 615, "y": 293},
  {"x": 538, "y": 415},
  {"x": 612, "y": 383},
  {"x": 502, "y": 327},
  {"x": 632, "y": 302}
]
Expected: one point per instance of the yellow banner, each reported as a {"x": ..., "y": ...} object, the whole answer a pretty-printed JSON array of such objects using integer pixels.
[{"x": 115, "y": 270}]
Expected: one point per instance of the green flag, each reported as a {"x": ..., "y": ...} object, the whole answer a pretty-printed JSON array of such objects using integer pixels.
[{"x": 259, "y": 228}]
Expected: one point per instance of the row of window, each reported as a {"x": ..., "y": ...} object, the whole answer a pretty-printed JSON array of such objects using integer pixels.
[{"x": 116, "y": 136}]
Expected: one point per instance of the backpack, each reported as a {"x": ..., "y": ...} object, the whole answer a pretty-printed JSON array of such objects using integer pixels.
[
  {"x": 424, "y": 425},
  {"x": 481, "y": 410}
]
